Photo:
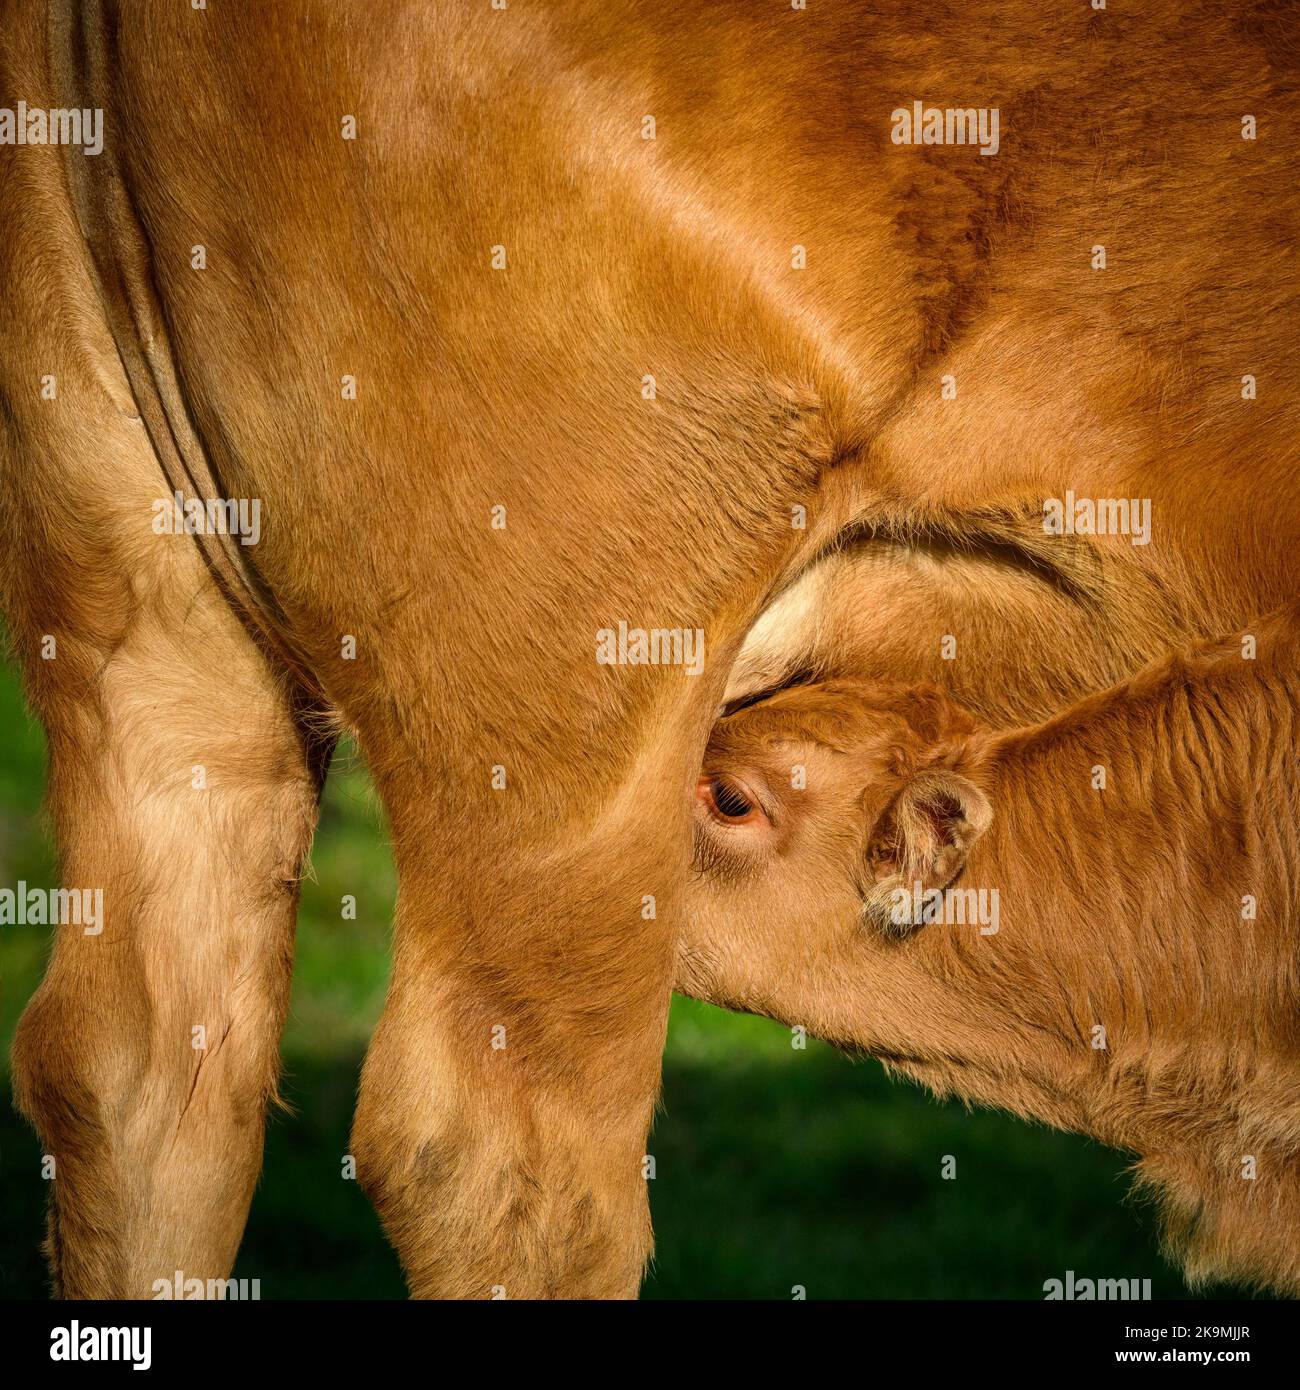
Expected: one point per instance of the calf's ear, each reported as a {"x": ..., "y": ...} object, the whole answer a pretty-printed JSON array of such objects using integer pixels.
[{"x": 923, "y": 837}]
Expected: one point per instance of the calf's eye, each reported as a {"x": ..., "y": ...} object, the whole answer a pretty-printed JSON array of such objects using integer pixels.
[{"x": 727, "y": 801}]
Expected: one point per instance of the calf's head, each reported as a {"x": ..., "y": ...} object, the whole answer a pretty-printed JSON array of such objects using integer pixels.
[
  {"x": 821, "y": 810},
  {"x": 824, "y": 807}
]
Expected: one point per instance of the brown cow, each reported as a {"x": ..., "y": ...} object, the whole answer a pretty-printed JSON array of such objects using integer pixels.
[
  {"x": 552, "y": 341},
  {"x": 1093, "y": 921}
]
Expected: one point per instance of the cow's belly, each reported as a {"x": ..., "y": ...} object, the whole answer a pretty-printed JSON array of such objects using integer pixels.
[
  {"x": 1000, "y": 639},
  {"x": 648, "y": 365},
  {"x": 1012, "y": 639}
]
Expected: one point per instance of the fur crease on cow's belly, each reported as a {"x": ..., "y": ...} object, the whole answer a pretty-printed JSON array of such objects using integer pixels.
[{"x": 998, "y": 634}]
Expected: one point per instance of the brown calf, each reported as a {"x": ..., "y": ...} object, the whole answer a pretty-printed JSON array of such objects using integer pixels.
[{"x": 1094, "y": 921}]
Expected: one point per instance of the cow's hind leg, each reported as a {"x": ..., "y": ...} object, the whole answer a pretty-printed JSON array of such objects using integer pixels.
[
  {"x": 182, "y": 788},
  {"x": 182, "y": 782}
]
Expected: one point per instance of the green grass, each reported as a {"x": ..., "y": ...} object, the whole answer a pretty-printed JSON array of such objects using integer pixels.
[{"x": 775, "y": 1167}]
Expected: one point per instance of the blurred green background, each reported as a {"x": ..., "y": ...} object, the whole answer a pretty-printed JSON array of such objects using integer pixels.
[{"x": 775, "y": 1167}]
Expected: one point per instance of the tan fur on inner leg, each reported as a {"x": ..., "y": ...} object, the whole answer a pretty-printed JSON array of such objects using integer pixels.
[
  {"x": 158, "y": 1140},
  {"x": 140, "y": 673}
]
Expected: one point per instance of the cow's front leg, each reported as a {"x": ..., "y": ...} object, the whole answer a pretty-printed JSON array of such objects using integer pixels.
[{"x": 508, "y": 1091}]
